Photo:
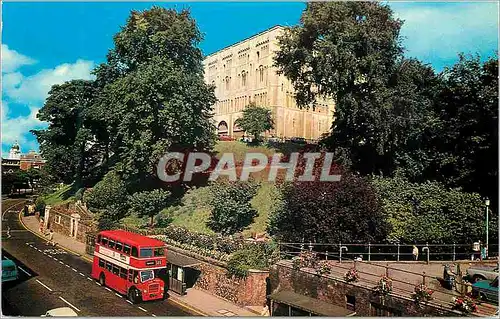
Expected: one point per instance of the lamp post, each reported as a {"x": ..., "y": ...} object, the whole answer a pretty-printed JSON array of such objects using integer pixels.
[{"x": 487, "y": 204}]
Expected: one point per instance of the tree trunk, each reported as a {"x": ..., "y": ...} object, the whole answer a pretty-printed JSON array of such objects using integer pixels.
[{"x": 152, "y": 221}]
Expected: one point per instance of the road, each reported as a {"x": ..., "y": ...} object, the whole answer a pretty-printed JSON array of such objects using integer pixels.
[{"x": 52, "y": 277}]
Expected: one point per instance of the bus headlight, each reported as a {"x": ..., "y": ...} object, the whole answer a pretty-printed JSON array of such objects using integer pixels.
[{"x": 145, "y": 291}]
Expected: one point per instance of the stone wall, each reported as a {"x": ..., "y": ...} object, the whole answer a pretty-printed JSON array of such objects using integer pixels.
[
  {"x": 335, "y": 291},
  {"x": 250, "y": 291},
  {"x": 243, "y": 292},
  {"x": 59, "y": 219}
]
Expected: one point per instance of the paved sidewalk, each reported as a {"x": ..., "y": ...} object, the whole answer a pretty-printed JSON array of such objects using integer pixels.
[
  {"x": 78, "y": 248},
  {"x": 202, "y": 302}
]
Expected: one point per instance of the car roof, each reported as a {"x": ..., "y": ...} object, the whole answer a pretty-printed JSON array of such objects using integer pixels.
[
  {"x": 132, "y": 238},
  {"x": 7, "y": 262},
  {"x": 62, "y": 312}
]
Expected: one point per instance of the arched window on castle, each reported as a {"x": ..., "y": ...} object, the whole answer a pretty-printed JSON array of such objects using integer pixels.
[
  {"x": 243, "y": 78},
  {"x": 261, "y": 74}
]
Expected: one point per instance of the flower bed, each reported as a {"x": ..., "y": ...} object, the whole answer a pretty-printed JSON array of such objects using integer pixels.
[
  {"x": 323, "y": 268},
  {"x": 384, "y": 285},
  {"x": 351, "y": 275},
  {"x": 306, "y": 259},
  {"x": 464, "y": 304},
  {"x": 422, "y": 293}
]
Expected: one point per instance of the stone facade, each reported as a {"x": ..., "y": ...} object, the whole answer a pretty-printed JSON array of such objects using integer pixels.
[
  {"x": 337, "y": 292},
  {"x": 69, "y": 221},
  {"x": 250, "y": 291},
  {"x": 212, "y": 278},
  {"x": 244, "y": 73}
]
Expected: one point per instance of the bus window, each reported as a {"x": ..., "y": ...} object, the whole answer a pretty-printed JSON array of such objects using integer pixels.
[
  {"x": 123, "y": 273},
  {"x": 146, "y": 252},
  {"x": 104, "y": 241},
  {"x": 101, "y": 263},
  {"x": 126, "y": 249},
  {"x": 134, "y": 252},
  {"x": 159, "y": 252},
  {"x": 146, "y": 275},
  {"x": 130, "y": 275},
  {"x": 111, "y": 244},
  {"x": 109, "y": 266},
  {"x": 116, "y": 270},
  {"x": 118, "y": 246}
]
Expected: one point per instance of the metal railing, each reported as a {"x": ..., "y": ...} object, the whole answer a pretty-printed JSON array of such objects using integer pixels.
[
  {"x": 391, "y": 252},
  {"x": 369, "y": 280}
]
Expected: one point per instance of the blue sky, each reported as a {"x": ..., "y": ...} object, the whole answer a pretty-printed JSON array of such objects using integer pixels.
[{"x": 49, "y": 43}]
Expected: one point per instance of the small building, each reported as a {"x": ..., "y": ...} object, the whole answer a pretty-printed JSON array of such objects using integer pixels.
[
  {"x": 289, "y": 303},
  {"x": 70, "y": 220},
  {"x": 181, "y": 274}
]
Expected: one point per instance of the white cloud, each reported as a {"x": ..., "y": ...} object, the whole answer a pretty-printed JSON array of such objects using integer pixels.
[
  {"x": 439, "y": 32},
  {"x": 24, "y": 94},
  {"x": 18, "y": 128},
  {"x": 34, "y": 88},
  {"x": 12, "y": 60}
]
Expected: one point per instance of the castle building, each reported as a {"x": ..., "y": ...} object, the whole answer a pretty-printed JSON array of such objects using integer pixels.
[{"x": 244, "y": 73}]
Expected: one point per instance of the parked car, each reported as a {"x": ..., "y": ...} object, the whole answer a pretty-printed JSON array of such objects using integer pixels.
[
  {"x": 9, "y": 271},
  {"x": 476, "y": 273},
  {"x": 487, "y": 290},
  {"x": 61, "y": 312}
]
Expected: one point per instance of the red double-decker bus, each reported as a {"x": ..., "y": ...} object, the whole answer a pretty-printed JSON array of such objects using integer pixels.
[{"x": 131, "y": 264}]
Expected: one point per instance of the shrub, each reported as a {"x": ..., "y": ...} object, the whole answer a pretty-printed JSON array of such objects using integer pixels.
[
  {"x": 231, "y": 208},
  {"x": 108, "y": 197},
  {"x": 430, "y": 212},
  {"x": 255, "y": 256},
  {"x": 329, "y": 212}
]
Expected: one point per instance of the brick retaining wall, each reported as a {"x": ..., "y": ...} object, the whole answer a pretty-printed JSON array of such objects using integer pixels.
[{"x": 334, "y": 291}]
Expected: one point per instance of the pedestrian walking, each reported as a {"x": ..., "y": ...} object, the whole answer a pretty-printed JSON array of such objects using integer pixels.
[
  {"x": 41, "y": 226},
  {"x": 415, "y": 253},
  {"x": 265, "y": 310},
  {"x": 8, "y": 232},
  {"x": 51, "y": 238}
]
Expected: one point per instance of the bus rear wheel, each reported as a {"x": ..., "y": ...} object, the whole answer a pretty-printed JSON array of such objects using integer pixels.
[
  {"x": 134, "y": 295},
  {"x": 102, "y": 279}
]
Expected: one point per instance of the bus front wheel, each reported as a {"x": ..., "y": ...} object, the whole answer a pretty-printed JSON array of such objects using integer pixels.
[
  {"x": 134, "y": 295},
  {"x": 102, "y": 279}
]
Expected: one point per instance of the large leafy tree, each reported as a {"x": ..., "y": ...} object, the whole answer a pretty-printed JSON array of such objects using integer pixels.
[
  {"x": 256, "y": 120},
  {"x": 153, "y": 82},
  {"x": 351, "y": 52},
  {"x": 467, "y": 141},
  {"x": 67, "y": 142},
  {"x": 339, "y": 48}
]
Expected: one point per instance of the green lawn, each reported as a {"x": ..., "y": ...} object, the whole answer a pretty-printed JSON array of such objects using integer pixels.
[
  {"x": 194, "y": 210},
  {"x": 239, "y": 149},
  {"x": 63, "y": 195}
]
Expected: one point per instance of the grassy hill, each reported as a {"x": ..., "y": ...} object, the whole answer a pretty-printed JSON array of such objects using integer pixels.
[{"x": 194, "y": 210}]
